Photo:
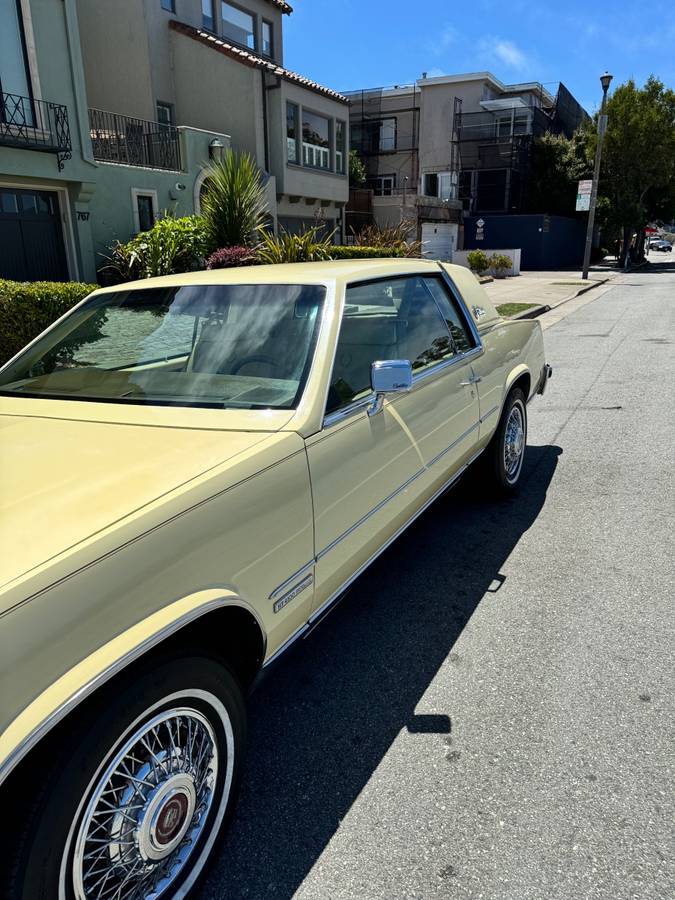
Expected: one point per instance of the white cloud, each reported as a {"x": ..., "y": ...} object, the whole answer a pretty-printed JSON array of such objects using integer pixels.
[
  {"x": 499, "y": 50},
  {"x": 446, "y": 38},
  {"x": 436, "y": 72},
  {"x": 509, "y": 54}
]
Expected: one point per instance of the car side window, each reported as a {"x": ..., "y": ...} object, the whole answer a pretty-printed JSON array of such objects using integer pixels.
[
  {"x": 395, "y": 318},
  {"x": 456, "y": 324}
]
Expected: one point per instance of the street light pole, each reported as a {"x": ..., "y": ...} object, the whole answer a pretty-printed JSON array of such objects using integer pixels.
[{"x": 605, "y": 80}]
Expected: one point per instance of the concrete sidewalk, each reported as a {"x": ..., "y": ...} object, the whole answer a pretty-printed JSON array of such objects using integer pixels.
[{"x": 547, "y": 288}]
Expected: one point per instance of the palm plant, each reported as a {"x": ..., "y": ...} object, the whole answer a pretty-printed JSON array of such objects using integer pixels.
[
  {"x": 392, "y": 237},
  {"x": 234, "y": 207},
  {"x": 290, "y": 248}
]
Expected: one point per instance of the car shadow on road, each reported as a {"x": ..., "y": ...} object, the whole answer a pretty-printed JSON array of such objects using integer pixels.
[{"x": 322, "y": 722}]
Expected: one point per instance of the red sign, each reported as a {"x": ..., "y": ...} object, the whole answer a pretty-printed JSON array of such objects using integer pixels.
[{"x": 650, "y": 230}]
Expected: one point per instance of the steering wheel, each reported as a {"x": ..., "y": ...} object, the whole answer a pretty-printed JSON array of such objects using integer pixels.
[{"x": 266, "y": 360}]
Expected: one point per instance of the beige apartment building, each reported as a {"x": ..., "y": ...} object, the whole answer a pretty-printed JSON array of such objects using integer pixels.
[
  {"x": 218, "y": 66},
  {"x": 110, "y": 111},
  {"x": 451, "y": 146}
]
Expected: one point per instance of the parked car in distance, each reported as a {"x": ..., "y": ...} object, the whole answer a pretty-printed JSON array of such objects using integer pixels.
[
  {"x": 194, "y": 469},
  {"x": 663, "y": 246}
]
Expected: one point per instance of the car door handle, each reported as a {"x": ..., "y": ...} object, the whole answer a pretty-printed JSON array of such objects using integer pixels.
[{"x": 473, "y": 379}]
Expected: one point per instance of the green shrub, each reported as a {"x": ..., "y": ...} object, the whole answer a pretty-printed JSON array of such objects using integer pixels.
[
  {"x": 500, "y": 263},
  {"x": 291, "y": 248},
  {"x": 27, "y": 308},
  {"x": 391, "y": 237},
  {"x": 358, "y": 252},
  {"x": 234, "y": 207},
  {"x": 478, "y": 261},
  {"x": 171, "y": 246}
]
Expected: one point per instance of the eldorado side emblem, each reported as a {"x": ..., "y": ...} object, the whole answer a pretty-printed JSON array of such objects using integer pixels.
[{"x": 293, "y": 593}]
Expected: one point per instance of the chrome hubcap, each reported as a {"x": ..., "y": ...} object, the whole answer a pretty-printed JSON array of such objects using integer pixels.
[
  {"x": 147, "y": 810},
  {"x": 514, "y": 442}
]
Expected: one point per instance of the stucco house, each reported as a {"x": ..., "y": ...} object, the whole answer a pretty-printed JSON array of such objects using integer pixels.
[{"x": 111, "y": 111}]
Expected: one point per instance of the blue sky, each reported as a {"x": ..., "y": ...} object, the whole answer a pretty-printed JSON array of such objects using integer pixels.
[{"x": 348, "y": 44}]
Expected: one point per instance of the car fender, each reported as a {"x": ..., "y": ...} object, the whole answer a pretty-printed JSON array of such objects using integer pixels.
[
  {"x": 67, "y": 692},
  {"x": 513, "y": 376}
]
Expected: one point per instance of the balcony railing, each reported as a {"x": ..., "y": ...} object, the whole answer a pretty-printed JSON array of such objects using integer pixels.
[
  {"x": 35, "y": 125},
  {"x": 134, "y": 142}
]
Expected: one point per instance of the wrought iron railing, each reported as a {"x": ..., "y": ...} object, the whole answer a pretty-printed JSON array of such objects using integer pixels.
[
  {"x": 35, "y": 125},
  {"x": 134, "y": 142}
]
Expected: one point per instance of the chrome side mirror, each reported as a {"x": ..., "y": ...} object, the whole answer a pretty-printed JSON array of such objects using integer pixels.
[{"x": 389, "y": 376}]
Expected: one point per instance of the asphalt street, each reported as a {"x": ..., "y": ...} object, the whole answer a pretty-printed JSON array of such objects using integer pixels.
[{"x": 489, "y": 713}]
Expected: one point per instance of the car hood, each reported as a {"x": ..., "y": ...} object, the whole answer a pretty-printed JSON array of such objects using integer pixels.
[{"x": 64, "y": 480}]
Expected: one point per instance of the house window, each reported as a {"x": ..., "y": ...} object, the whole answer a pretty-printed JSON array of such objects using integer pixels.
[
  {"x": 315, "y": 140},
  {"x": 388, "y": 134},
  {"x": 13, "y": 67},
  {"x": 383, "y": 185},
  {"x": 431, "y": 185},
  {"x": 440, "y": 184},
  {"x": 208, "y": 17},
  {"x": 145, "y": 208},
  {"x": 238, "y": 26},
  {"x": 267, "y": 43},
  {"x": 169, "y": 5},
  {"x": 165, "y": 116},
  {"x": 292, "y": 132},
  {"x": 340, "y": 146}
]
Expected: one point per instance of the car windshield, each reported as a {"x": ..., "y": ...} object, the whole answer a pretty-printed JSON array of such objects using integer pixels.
[{"x": 245, "y": 346}]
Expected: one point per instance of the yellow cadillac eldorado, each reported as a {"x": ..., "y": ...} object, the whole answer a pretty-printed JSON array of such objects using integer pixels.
[{"x": 193, "y": 469}]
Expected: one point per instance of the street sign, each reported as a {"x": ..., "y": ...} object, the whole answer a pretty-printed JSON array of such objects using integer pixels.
[
  {"x": 585, "y": 187},
  {"x": 583, "y": 202}
]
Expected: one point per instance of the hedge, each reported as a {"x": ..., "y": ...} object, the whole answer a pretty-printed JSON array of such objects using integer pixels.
[
  {"x": 27, "y": 308},
  {"x": 358, "y": 252}
]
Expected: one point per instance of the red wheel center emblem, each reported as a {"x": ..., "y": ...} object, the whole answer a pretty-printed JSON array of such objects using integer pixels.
[{"x": 171, "y": 818}]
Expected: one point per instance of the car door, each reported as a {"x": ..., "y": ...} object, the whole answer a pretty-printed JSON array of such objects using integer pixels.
[{"x": 370, "y": 474}]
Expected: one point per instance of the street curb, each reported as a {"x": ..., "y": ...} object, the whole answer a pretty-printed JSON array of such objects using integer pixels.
[{"x": 530, "y": 313}]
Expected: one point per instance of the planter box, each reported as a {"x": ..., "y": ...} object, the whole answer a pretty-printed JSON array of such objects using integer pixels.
[{"x": 459, "y": 257}]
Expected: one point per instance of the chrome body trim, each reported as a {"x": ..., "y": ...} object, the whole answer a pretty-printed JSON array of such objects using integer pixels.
[
  {"x": 454, "y": 444},
  {"x": 291, "y": 578},
  {"x": 489, "y": 413},
  {"x": 444, "y": 487},
  {"x": 114, "y": 669},
  {"x": 371, "y": 512},
  {"x": 340, "y": 414}
]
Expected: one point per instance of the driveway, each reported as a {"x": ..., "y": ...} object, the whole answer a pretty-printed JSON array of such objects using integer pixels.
[{"x": 489, "y": 713}]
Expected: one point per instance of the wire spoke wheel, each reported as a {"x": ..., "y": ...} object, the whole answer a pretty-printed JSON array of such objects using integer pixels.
[
  {"x": 148, "y": 809},
  {"x": 514, "y": 442}
]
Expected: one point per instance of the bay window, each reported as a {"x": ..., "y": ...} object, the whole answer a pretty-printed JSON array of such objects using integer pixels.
[
  {"x": 238, "y": 26},
  {"x": 292, "y": 132},
  {"x": 267, "y": 47},
  {"x": 208, "y": 17},
  {"x": 340, "y": 146},
  {"x": 315, "y": 140}
]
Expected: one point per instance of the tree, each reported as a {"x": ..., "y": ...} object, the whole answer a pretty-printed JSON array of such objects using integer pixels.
[
  {"x": 638, "y": 161},
  {"x": 557, "y": 164},
  {"x": 357, "y": 170},
  {"x": 234, "y": 207}
]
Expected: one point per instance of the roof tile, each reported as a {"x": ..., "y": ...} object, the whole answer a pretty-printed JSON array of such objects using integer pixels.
[{"x": 250, "y": 59}]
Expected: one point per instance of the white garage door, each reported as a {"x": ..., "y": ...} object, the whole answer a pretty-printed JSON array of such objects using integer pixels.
[{"x": 439, "y": 240}]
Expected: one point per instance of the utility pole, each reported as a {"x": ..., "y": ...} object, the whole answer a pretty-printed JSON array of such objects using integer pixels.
[{"x": 605, "y": 81}]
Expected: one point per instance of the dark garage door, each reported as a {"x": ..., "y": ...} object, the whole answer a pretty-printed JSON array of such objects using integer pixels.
[{"x": 31, "y": 236}]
